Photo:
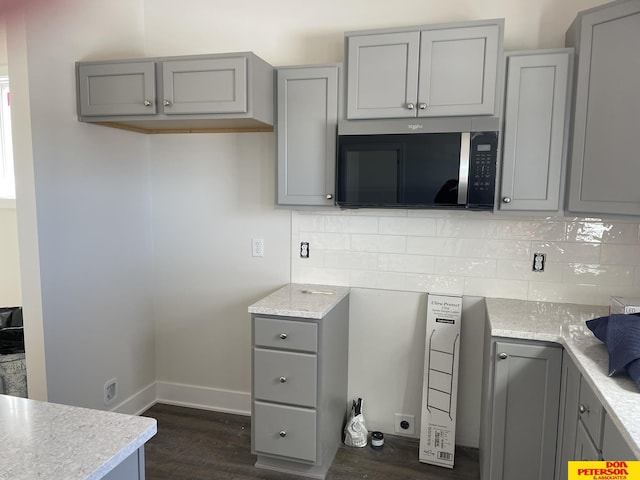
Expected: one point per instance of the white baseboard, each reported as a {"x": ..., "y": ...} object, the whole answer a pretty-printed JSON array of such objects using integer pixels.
[
  {"x": 138, "y": 402},
  {"x": 204, "y": 398}
]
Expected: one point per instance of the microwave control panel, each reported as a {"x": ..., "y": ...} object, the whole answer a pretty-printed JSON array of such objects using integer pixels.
[{"x": 482, "y": 168}]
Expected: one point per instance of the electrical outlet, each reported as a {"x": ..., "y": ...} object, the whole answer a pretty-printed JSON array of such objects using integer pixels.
[
  {"x": 110, "y": 391},
  {"x": 257, "y": 247},
  {"x": 304, "y": 249},
  {"x": 538, "y": 262},
  {"x": 405, "y": 424}
]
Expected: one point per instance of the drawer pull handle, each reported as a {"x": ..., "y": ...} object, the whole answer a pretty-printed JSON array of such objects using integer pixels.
[
  {"x": 503, "y": 356},
  {"x": 583, "y": 409},
  {"x": 283, "y": 336},
  {"x": 283, "y": 433},
  {"x": 283, "y": 379}
]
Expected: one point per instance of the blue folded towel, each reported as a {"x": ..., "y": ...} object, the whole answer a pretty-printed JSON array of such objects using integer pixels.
[{"x": 621, "y": 334}]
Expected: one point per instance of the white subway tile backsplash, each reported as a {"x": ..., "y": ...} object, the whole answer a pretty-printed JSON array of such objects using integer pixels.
[
  {"x": 620, "y": 254},
  {"x": 350, "y": 260},
  {"x": 351, "y": 224},
  {"x": 618, "y": 275},
  {"x": 379, "y": 243},
  {"x": 468, "y": 267},
  {"x": 550, "y": 292},
  {"x": 602, "y": 232},
  {"x": 495, "y": 287},
  {"x": 568, "y": 252},
  {"x": 467, "y": 228},
  {"x": 548, "y": 230},
  {"x": 453, "y": 285},
  {"x": 423, "y": 227},
  {"x": 406, "y": 263},
  {"x": 522, "y": 270},
  {"x": 470, "y": 253}
]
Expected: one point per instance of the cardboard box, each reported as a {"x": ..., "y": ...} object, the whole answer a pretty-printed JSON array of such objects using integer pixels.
[
  {"x": 440, "y": 383},
  {"x": 624, "y": 305}
]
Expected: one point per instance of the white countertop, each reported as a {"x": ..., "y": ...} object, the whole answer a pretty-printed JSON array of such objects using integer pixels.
[
  {"x": 565, "y": 324},
  {"x": 300, "y": 300},
  {"x": 40, "y": 440}
]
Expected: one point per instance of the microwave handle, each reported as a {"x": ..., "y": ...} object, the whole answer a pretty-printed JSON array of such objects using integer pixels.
[{"x": 463, "y": 175}]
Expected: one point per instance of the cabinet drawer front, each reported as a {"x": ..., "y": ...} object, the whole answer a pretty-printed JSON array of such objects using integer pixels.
[
  {"x": 286, "y": 334},
  {"x": 286, "y": 431},
  {"x": 285, "y": 377},
  {"x": 591, "y": 412}
]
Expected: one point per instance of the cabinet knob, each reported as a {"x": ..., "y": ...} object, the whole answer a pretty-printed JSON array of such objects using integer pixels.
[
  {"x": 583, "y": 409},
  {"x": 411, "y": 106},
  {"x": 147, "y": 103},
  {"x": 283, "y": 379},
  {"x": 329, "y": 196},
  {"x": 503, "y": 356},
  {"x": 283, "y": 433},
  {"x": 283, "y": 336},
  {"x": 422, "y": 106},
  {"x": 166, "y": 103},
  {"x": 506, "y": 199}
]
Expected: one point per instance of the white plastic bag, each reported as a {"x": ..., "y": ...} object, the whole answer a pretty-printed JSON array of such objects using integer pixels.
[{"x": 355, "y": 431}]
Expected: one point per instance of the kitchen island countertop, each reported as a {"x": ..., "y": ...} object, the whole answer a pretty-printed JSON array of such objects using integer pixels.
[
  {"x": 565, "y": 324},
  {"x": 300, "y": 300},
  {"x": 48, "y": 441}
]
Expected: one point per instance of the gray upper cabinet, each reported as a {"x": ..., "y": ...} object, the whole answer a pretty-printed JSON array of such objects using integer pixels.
[
  {"x": 307, "y": 120},
  {"x": 429, "y": 71},
  {"x": 212, "y": 85},
  {"x": 535, "y": 121},
  {"x": 127, "y": 88},
  {"x": 199, "y": 93},
  {"x": 604, "y": 159}
]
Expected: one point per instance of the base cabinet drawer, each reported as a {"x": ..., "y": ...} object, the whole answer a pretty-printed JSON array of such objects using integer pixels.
[
  {"x": 285, "y": 377},
  {"x": 590, "y": 412},
  {"x": 285, "y": 431},
  {"x": 286, "y": 334}
]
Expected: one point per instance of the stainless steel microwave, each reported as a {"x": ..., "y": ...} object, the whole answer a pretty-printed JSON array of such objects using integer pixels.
[{"x": 454, "y": 170}]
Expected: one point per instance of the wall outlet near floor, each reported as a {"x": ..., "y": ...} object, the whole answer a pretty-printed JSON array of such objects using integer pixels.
[
  {"x": 257, "y": 247},
  {"x": 405, "y": 424},
  {"x": 110, "y": 391}
]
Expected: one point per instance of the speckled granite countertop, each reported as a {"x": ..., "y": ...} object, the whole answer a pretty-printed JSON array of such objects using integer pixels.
[
  {"x": 40, "y": 440},
  {"x": 565, "y": 324},
  {"x": 300, "y": 300}
]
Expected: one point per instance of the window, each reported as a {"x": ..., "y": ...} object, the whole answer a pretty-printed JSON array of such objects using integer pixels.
[{"x": 7, "y": 177}]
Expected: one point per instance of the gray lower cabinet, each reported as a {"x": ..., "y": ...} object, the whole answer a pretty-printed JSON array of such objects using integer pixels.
[
  {"x": 306, "y": 126},
  {"x": 131, "y": 468},
  {"x": 299, "y": 390},
  {"x": 536, "y": 115},
  {"x": 604, "y": 165},
  {"x": 218, "y": 92},
  {"x": 427, "y": 71},
  {"x": 523, "y": 410}
]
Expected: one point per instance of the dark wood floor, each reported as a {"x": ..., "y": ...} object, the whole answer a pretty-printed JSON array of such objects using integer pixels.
[{"x": 196, "y": 444}]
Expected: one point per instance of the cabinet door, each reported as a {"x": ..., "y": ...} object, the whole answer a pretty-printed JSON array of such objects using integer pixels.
[
  {"x": 585, "y": 448},
  {"x": 382, "y": 73},
  {"x": 604, "y": 160},
  {"x": 458, "y": 71},
  {"x": 525, "y": 411},
  {"x": 568, "y": 419},
  {"x": 306, "y": 129},
  {"x": 614, "y": 446},
  {"x": 126, "y": 88},
  {"x": 202, "y": 86},
  {"x": 534, "y": 131}
]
